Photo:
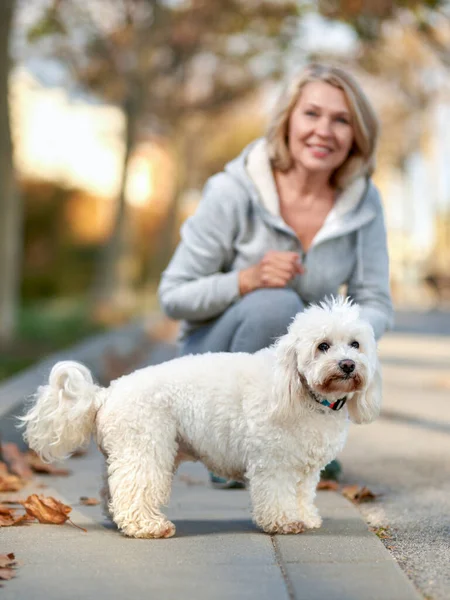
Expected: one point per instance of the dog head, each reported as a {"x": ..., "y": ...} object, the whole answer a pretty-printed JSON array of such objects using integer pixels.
[{"x": 328, "y": 353}]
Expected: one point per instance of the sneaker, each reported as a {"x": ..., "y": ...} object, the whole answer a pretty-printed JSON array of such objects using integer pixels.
[
  {"x": 220, "y": 483},
  {"x": 332, "y": 471}
]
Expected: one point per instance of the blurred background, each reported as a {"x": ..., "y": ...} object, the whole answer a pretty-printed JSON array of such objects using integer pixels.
[{"x": 114, "y": 112}]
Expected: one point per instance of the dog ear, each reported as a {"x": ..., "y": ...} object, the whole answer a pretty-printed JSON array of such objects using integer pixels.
[
  {"x": 364, "y": 407},
  {"x": 287, "y": 386}
]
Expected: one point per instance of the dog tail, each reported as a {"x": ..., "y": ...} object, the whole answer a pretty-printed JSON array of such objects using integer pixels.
[{"x": 62, "y": 417}]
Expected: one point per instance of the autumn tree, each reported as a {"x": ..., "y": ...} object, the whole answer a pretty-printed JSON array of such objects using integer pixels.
[
  {"x": 10, "y": 230},
  {"x": 405, "y": 46},
  {"x": 404, "y": 50},
  {"x": 164, "y": 63},
  {"x": 367, "y": 17}
]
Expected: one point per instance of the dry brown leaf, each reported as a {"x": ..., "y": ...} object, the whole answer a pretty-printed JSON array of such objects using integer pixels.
[
  {"x": 7, "y": 573},
  {"x": 7, "y": 560},
  {"x": 16, "y": 460},
  {"x": 39, "y": 466},
  {"x": 350, "y": 491},
  {"x": 358, "y": 494},
  {"x": 328, "y": 484},
  {"x": 47, "y": 509},
  {"x": 85, "y": 501},
  {"x": 10, "y": 519},
  {"x": 11, "y": 483}
]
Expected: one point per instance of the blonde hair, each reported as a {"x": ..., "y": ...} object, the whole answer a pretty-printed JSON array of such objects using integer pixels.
[{"x": 361, "y": 158}]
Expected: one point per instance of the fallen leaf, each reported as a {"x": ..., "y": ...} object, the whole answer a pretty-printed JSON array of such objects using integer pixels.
[
  {"x": 10, "y": 519},
  {"x": 358, "y": 494},
  {"x": 328, "y": 484},
  {"x": 47, "y": 509},
  {"x": 85, "y": 501},
  {"x": 16, "y": 460},
  {"x": 39, "y": 466},
  {"x": 11, "y": 483},
  {"x": 7, "y": 573},
  {"x": 7, "y": 560}
]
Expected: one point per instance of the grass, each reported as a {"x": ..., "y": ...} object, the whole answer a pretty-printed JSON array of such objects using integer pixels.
[
  {"x": 45, "y": 328},
  {"x": 9, "y": 365},
  {"x": 59, "y": 322}
]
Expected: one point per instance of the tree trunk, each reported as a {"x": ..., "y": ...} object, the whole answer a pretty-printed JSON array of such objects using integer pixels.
[
  {"x": 10, "y": 209},
  {"x": 112, "y": 288},
  {"x": 169, "y": 229}
]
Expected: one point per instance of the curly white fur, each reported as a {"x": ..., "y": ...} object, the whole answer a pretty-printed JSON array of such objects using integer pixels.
[{"x": 245, "y": 416}]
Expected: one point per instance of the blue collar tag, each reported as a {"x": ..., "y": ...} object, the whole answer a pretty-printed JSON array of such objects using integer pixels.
[{"x": 336, "y": 405}]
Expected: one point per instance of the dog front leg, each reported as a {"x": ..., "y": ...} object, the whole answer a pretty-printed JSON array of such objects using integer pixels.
[
  {"x": 306, "y": 493},
  {"x": 275, "y": 505}
]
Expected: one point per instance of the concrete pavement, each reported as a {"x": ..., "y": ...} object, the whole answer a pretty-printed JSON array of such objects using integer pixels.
[
  {"x": 217, "y": 553},
  {"x": 404, "y": 456}
]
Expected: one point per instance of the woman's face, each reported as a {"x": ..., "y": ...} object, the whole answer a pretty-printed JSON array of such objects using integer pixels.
[{"x": 320, "y": 128}]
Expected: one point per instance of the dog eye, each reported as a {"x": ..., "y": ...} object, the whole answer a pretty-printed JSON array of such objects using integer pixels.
[
  {"x": 323, "y": 347},
  {"x": 354, "y": 344}
]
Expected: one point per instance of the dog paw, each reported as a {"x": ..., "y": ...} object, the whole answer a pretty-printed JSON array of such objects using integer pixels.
[
  {"x": 287, "y": 528},
  {"x": 150, "y": 530},
  {"x": 313, "y": 522}
]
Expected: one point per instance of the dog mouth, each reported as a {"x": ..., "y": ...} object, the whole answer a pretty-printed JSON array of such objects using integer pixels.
[
  {"x": 345, "y": 376},
  {"x": 341, "y": 382}
]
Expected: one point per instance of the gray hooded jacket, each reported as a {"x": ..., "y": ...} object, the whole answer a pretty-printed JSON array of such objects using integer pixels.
[{"x": 238, "y": 221}]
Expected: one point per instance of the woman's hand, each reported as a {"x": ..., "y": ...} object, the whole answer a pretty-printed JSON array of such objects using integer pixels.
[{"x": 274, "y": 270}]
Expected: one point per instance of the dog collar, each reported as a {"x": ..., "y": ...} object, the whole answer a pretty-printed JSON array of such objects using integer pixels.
[{"x": 336, "y": 405}]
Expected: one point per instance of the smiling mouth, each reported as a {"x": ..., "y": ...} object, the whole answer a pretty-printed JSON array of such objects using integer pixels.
[{"x": 319, "y": 151}]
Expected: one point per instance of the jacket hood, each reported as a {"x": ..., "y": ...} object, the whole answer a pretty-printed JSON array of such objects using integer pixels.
[{"x": 252, "y": 169}]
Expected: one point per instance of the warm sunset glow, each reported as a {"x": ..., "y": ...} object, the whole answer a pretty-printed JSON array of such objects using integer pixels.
[
  {"x": 139, "y": 187},
  {"x": 61, "y": 139}
]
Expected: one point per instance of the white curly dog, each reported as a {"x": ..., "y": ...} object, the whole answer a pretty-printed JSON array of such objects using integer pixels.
[{"x": 274, "y": 418}]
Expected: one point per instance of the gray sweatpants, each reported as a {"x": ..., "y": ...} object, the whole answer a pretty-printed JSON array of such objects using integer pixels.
[{"x": 251, "y": 323}]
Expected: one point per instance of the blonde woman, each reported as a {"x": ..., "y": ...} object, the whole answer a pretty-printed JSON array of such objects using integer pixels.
[{"x": 289, "y": 221}]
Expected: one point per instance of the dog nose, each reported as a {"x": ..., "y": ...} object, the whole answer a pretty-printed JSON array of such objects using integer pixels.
[{"x": 348, "y": 366}]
